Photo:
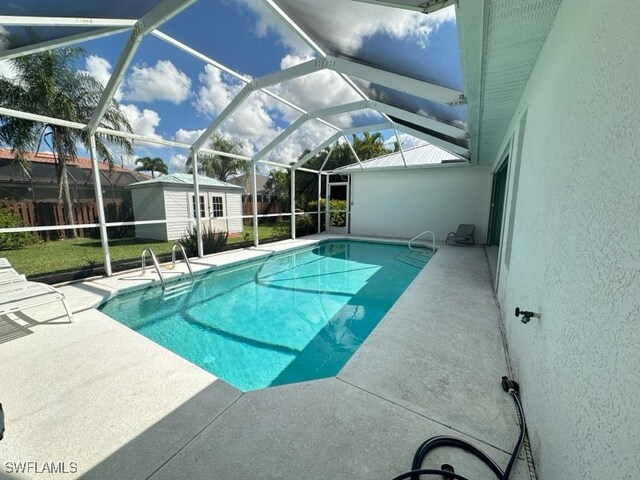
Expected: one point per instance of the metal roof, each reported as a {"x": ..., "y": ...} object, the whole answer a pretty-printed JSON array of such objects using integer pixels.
[
  {"x": 419, "y": 156},
  {"x": 187, "y": 180}
]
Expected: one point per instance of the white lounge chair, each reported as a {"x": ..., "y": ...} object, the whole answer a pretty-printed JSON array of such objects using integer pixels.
[
  {"x": 20, "y": 295},
  {"x": 4, "y": 263},
  {"x": 9, "y": 275}
]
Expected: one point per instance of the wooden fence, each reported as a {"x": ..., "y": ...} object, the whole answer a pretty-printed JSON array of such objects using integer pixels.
[
  {"x": 39, "y": 214},
  {"x": 263, "y": 208}
]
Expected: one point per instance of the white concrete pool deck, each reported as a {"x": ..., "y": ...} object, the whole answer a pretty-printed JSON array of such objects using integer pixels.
[{"x": 118, "y": 405}]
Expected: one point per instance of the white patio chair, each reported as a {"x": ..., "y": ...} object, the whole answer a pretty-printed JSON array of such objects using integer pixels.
[
  {"x": 9, "y": 275},
  {"x": 4, "y": 263},
  {"x": 21, "y": 295}
]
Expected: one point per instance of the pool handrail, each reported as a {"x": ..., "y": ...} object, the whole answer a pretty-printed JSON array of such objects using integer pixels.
[
  {"x": 155, "y": 263},
  {"x": 184, "y": 255},
  {"x": 433, "y": 238}
]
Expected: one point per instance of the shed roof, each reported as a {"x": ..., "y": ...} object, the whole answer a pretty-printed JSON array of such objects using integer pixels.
[
  {"x": 420, "y": 156},
  {"x": 186, "y": 179}
]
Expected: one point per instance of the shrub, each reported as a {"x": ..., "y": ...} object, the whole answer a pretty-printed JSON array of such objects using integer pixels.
[
  {"x": 337, "y": 218},
  {"x": 212, "y": 241},
  {"x": 305, "y": 225},
  {"x": 12, "y": 241}
]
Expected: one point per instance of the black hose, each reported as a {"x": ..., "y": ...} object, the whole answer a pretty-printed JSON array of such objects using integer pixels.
[{"x": 446, "y": 441}]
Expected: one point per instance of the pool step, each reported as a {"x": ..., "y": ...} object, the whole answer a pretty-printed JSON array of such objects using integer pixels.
[
  {"x": 415, "y": 258},
  {"x": 177, "y": 290}
]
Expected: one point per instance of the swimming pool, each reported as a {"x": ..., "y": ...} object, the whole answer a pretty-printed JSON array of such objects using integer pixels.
[{"x": 285, "y": 318}]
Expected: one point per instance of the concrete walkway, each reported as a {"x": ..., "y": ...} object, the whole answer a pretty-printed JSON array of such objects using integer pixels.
[{"x": 110, "y": 403}]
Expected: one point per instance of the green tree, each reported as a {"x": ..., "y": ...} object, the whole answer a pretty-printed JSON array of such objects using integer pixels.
[
  {"x": 369, "y": 146},
  {"x": 218, "y": 166},
  {"x": 278, "y": 186},
  {"x": 49, "y": 83},
  {"x": 152, "y": 165}
]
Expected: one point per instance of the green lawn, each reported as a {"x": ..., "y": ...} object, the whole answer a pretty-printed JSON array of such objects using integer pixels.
[{"x": 83, "y": 253}]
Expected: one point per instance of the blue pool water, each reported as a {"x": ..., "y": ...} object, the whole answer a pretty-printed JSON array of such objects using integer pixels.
[{"x": 287, "y": 318}]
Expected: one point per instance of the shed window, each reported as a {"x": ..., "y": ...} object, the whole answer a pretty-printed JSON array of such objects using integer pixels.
[
  {"x": 203, "y": 206},
  {"x": 216, "y": 207}
]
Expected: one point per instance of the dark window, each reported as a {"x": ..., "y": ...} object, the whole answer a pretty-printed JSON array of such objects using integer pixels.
[
  {"x": 216, "y": 207},
  {"x": 203, "y": 212}
]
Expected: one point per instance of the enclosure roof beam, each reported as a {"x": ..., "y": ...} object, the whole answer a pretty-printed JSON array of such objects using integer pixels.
[
  {"x": 294, "y": 26},
  {"x": 35, "y": 21},
  {"x": 310, "y": 42},
  {"x": 421, "y": 120},
  {"x": 280, "y": 76},
  {"x": 336, "y": 110},
  {"x": 378, "y": 106},
  {"x": 336, "y": 136},
  {"x": 60, "y": 42},
  {"x": 196, "y": 54},
  {"x": 165, "y": 10},
  {"x": 449, "y": 147},
  {"x": 396, "y": 81},
  {"x": 431, "y": 7},
  {"x": 116, "y": 133},
  {"x": 353, "y": 152}
]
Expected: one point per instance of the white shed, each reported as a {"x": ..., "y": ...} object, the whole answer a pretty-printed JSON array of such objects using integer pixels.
[{"x": 171, "y": 197}]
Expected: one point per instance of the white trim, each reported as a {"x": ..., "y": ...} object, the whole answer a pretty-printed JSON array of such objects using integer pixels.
[
  {"x": 32, "y": 21},
  {"x": 60, "y": 42}
]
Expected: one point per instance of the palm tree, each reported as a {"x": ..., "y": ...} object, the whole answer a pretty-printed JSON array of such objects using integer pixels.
[
  {"x": 152, "y": 165},
  {"x": 370, "y": 146},
  {"x": 217, "y": 166},
  {"x": 49, "y": 83}
]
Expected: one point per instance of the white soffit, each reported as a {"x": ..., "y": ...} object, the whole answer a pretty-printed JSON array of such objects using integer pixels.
[{"x": 500, "y": 41}]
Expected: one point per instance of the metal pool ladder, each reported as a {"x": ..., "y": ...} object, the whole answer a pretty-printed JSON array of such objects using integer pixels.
[
  {"x": 184, "y": 256},
  {"x": 433, "y": 240},
  {"x": 143, "y": 258}
]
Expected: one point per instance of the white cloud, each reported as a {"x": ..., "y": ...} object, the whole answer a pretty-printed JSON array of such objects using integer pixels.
[
  {"x": 187, "y": 136},
  {"x": 100, "y": 69},
  {"x": 407, "y": 141},
  {"x": 143, "y": 122},
  {"x": 161, "y": 82},
  {"x": 308, "y": 136},
  {"x": 256, "y": 120},
  {"x": 347, "y": 31},
  {"x": 266, "y": 21},
  {"x": 253, "y": 121},
  {"x": 305, "y": 91},
  {"x": 177, "y": 163},
  {"x": 215, "y": 92}
]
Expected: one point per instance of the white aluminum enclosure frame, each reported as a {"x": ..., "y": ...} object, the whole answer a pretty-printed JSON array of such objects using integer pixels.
[{"x": 165, "y": 9}]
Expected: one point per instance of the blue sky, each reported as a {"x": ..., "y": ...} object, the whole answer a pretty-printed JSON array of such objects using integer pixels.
[{"x": 170, "y": 94}]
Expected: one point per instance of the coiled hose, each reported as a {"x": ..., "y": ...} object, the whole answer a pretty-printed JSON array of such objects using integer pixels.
[{"x": 417, "y": 471}]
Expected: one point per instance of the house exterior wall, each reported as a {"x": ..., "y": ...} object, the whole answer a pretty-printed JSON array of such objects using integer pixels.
[
  {"x": 403, "y": 203},
  {"x": 572, "y": 215},
  {"x": 148, "y": 204}
]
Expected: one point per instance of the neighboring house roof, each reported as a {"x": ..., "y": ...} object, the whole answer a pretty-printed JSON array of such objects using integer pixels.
[
  {"x": 415, "y": 157},
  {"x": 47, "y": 157},
  {"x": 244, "y": 181},
  {"x": 186, "y": 179}
]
